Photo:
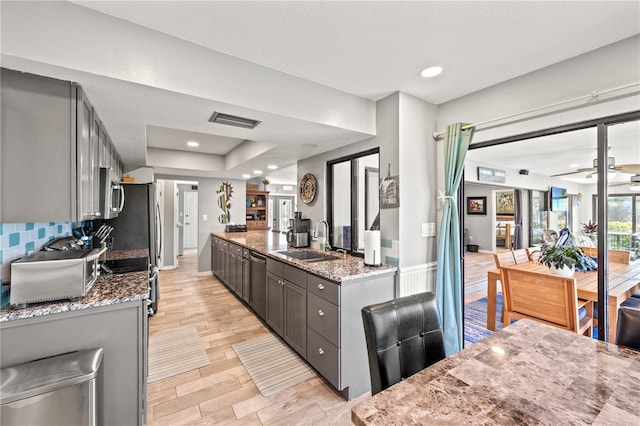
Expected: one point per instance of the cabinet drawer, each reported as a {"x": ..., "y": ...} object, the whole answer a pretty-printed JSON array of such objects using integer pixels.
[
  {"x": 295, "y": 276},
  {"x": 323, "y": 288},
  {"x": 275, "y": 267},
  {"x": 224, "y": 244},
  {"x": 323, "y": 317},
  {"x": 324, "y": 357},
  {"x": 235, "y": 249}
]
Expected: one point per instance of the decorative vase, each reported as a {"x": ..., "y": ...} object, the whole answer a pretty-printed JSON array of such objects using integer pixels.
[{"x": 566, "y": 271}]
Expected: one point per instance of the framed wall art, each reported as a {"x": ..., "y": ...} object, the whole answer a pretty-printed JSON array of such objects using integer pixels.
[{"x": 477, "y": 205}]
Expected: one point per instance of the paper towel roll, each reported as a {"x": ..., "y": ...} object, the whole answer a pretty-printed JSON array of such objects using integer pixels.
[{"x": 372, "y": 248}]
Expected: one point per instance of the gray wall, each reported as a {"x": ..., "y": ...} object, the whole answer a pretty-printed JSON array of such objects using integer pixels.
[
  {"x": 387, "y": 124},
  {"x": 208, "y": 205},
  {"x": 403, "y": 133},
  {"x": 418, "y": 197}
]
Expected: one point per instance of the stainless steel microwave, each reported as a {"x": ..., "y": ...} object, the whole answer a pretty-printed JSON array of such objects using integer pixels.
[
  {"x": 53, "y": 275},
  {"x": 111, "y": 194}
]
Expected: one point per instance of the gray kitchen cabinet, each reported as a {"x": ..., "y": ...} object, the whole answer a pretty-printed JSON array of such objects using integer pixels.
[
  {"x": 246, "y": 275},
  {"x": 235, "y": 269},
  {"x": 214, "y": 255},
  {"x": 287, "y": 303},
  {"x": 120, "y": 329},
  {"x": 50, "y": 146},
  {"x": 295, "y": 317},
  {"x": 275, "y": 302}
]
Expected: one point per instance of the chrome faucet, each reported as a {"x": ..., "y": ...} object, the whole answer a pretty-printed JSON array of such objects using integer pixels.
[{"x": 327, "y": 246}]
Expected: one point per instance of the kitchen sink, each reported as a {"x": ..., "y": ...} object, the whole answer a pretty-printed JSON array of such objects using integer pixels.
[{"x": 308, "y": 256}]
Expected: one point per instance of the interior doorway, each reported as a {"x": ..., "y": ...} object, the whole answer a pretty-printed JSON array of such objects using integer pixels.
[
  {"x": 190, "y": 234},
  {"x": 187, "y": 219}
]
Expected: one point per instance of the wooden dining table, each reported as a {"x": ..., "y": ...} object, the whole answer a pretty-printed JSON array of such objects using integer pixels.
[
  {"x": 624, "y": 280},
  {"x": 529, "y": 373}
]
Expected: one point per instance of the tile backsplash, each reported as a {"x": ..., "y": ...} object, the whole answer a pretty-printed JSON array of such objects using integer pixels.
[{"x": 19, "y": 239}]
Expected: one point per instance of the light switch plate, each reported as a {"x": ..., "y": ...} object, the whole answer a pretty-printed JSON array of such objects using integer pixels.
[
  {"x": 204, "y": 218},
  {"x": 428, "y": 229}
]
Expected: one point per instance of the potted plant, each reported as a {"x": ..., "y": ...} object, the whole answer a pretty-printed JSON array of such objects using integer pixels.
[
  {"x": 265, "y": 182},
  {"x": 590, "y": 230},
  {"x": 565, "y": 259}
]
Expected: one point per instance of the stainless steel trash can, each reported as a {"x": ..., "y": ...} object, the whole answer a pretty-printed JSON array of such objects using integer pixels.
[{"x": 60, "y": 390}]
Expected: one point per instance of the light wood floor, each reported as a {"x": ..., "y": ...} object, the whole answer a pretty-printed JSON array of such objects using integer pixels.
[
  {"x": 476, "y": 266},
  {"x": 223, "y": 392}
]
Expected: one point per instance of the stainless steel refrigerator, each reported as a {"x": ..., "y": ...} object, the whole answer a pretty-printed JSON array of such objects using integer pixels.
[{"x": 138, "y": 227}]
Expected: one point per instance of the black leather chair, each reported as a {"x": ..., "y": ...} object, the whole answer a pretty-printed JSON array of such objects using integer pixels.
[
  {"x": 403, "y": 337},
  {"x": 628, "y": 328}
]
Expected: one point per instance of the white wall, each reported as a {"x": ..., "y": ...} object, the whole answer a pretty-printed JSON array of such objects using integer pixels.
[{"x": 605, "y": 68}]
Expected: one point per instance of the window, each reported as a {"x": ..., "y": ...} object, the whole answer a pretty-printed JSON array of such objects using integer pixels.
[{"x": 354, "y": 201}]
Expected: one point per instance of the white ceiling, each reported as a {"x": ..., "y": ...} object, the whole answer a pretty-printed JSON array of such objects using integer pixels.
[{"x": 366, "y": 49}]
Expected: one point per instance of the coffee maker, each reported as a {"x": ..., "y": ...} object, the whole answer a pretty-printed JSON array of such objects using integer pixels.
[{"x": 298, "y": 233}]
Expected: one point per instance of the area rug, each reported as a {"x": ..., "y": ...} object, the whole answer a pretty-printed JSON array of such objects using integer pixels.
[
  {"x": 475, "y": 319},
  {"x": 175, "y": 352},
  {"x": 272, "y": 365}
]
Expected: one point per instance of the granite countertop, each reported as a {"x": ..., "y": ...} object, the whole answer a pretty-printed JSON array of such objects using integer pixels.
[
  {"x": 342, "y": 269},
  {"x": 528, "y": 373},
  {"x": 108, "y": 290}
]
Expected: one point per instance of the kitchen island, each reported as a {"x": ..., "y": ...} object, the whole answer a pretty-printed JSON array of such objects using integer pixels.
[
  {"x": 112, "y": 316},
  {"x": 313, "y": 305}
]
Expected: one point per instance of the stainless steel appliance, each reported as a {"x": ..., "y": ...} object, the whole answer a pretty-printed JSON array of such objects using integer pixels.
[
  {"x": 258, "y": 284},
  {"x": 111, "y": 194},
  {"x": 60, "y": 390},
  {"x": 136, "y": 228},
  {"x": 298, "y": 233},
  {"x": 53, "y": 275}
]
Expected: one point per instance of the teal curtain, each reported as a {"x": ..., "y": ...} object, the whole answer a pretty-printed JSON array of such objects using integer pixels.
[{"x": 449, "y": 278}]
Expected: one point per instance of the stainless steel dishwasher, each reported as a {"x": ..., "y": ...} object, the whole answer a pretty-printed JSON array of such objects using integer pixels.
[{"x": 259, "y": 284}]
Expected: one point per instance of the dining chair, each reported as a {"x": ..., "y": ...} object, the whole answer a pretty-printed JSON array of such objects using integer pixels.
[
  {"x": 628, "y": 333},
  {"x": 533, "y": 253},
  {"x": 615, "y": 256},
  {"x": 547, "y": 298},
  {"x": 521, "y": 256},
  {"x": 403, "y": 337}
]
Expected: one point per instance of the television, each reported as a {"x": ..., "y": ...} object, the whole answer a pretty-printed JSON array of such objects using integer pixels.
[{"x": 558, "y": 198}]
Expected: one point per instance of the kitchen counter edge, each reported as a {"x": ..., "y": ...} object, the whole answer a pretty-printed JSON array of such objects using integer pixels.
[{"x": 341, "y": 270}]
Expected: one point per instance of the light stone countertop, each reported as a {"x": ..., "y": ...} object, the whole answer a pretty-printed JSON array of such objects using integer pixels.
[
  {"x": 108, "y": 290},
  {"x": 343, "y": 268},
  {"x": 529, "y": 373}
]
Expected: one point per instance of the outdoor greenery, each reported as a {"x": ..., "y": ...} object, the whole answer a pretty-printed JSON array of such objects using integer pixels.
[{"x": 558, "y": 256}]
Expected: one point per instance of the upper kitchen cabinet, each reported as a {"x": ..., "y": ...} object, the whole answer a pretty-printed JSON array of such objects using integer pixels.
[{"x": 51, "y": 151}]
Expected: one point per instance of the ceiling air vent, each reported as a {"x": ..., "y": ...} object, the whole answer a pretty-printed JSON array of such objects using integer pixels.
[{"x": 232, "y": 120}]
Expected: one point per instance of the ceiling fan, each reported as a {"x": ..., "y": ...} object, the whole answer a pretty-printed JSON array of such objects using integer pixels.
[
  {"x": 611, "y": 166},
  {"x": 634, "y": 183}
]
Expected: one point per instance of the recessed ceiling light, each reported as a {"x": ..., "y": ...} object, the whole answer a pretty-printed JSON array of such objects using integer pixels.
[
  {"x": 193, "y": 144},
  {"x": 430, "y": 72},
  {"x": 257, "y": 172},
  {"x": 272, "y": 167},
  {"x": 246, "y": 176},
  {"x": 574, "y": 165}
]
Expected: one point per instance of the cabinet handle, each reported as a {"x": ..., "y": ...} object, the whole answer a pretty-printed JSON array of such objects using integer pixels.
[
  {"x": 320, "y": 312},
  {"x": 97, "y": 214},
  {"x": 320, "y": 286},
  {"x": 320, "y": 351}
]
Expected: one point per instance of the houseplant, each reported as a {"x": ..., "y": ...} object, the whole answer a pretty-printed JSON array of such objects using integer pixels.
[
  {"x": 265, "y": 182},
  {"x": 590, "y": 230},
  {"x": 566, "y": 258}
]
